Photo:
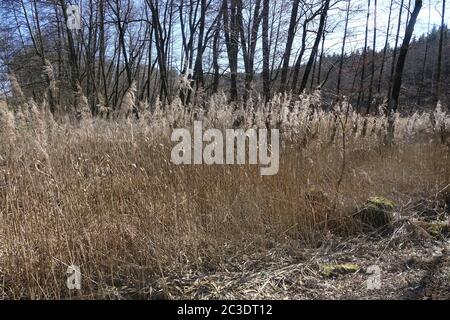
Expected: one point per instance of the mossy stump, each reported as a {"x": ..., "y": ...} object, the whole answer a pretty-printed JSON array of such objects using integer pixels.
[{"x": 376, "y": 213}]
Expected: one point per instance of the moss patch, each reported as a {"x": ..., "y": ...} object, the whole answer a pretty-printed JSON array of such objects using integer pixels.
[
  {"x": 333, "y": 270},
  {"x": 381, "y": 202},
  {"x": 439, "y": 229}
]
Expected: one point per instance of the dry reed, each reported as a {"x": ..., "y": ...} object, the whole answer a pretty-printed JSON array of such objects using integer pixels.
[{"x": 104, "y": 195}]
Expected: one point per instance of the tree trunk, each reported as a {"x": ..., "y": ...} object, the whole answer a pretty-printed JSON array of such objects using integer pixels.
[
  {"x": 290, "y": 40},
  {"x": 341, "y": 61},
  {"x": 198, "y": 70},
  {"x": 391, "y": 79},
  {"x": 424, "y": 60},
  {"x": 248, "y": 45},
  {"x": 363, "y": 71},
  {"x": 402, "y": 57},
  {"x": 215, "y": 56},
  {"x": 313, "y": 55},
  {"x": 372, "y": 76},
  {"x": 439, "y": 59},
  {"x": 266, "y": 51},
  {"x": 160, "y": 48},
  {"x": 232, "y": 42},
  {"x": 298, "y": 62},
  {"x": 397, "y": 83},
  {"x": 386, "y": 44},
  {"x": 319, "y": 72},
  {"x": 102, "y": 50}
]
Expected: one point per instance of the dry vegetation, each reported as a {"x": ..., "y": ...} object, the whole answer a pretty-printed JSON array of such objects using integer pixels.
[{"x": 103, "y": 194}]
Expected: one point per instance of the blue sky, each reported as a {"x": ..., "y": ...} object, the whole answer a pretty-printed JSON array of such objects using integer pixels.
[{"x": 431, "y": 11}]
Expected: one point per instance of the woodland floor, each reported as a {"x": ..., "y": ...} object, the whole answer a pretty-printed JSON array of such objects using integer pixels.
[
  {"x": 413, "y": 266},
  {"x": 409, "y": 271}
]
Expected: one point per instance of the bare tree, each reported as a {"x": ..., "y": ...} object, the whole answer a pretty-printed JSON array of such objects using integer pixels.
[
  {"x": 397, "y": 83},
  {"x": 215, "y": 53},
  {"x": 439, "y": 59},
  {"x": 386, "y": 44},
  {"x": 161, "y": 48},
  {"x": 363, "y": 71},
  {"x": 198, "y": 70},
  {"x": 232, "y": 43},
  {"x": 289, "y": 42},
  {"x": 313, "y": 54},
  {"x": 394, "y": 58},
  {"x": 298, "y": 63},
  {"x": 239, "y": 45},
  {"x": 37, "y": 41},
  {"x": 341, "y": 60},
  {"x": 266, "y": 50},
  {"x": 248, "y": 43},
  {"x": 374, "y": 45},
  {"x": 393, "y": 102}
]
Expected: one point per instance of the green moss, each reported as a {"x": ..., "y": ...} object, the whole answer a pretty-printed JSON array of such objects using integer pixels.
[
  {"x": 437, "y": 229},
  {"x": 381, "y": 202},
  {"x": 332, "y": 270}
]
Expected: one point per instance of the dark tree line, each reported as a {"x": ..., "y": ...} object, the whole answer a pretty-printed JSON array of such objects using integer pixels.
[{"x": 246, "y": 48}]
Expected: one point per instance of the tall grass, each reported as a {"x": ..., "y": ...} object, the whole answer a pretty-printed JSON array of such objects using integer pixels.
[{"x": 103, "y": 194}]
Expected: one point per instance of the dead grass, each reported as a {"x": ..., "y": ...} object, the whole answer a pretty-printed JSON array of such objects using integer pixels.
[{"x": 104, "y": 195}]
